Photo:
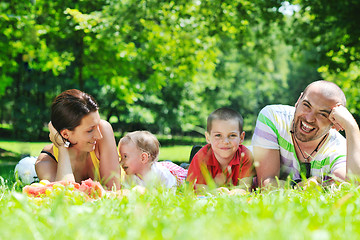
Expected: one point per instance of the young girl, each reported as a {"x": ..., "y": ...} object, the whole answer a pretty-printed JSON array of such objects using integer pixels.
[
  {"x": 139, "y": 151},
  {"x": 83, "y": 145}
]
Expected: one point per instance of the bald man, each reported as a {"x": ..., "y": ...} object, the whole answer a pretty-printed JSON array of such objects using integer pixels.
[{"x": 302, "y": 142}]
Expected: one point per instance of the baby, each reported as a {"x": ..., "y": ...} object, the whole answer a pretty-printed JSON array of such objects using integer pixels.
[{"x": 139, "y": 151}]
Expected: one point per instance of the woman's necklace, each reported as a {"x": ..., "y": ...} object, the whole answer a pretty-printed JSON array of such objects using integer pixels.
[{"x": 302, "y": 153}]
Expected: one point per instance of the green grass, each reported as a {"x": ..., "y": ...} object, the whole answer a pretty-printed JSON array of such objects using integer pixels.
[
  {"x": 31, "y": 148},
  {"x": 173, "y": 153},
  {"x": 317, "y": 213},
  {"x": 15, "y": 149},
  {"x": 161, "y": 214}
]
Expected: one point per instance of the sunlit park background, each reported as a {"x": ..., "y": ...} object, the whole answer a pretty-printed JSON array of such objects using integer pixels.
[{"x": 164, "y": 66}]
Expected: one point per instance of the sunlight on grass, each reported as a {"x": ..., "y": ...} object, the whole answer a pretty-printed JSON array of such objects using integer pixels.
[
  {"x": 317, "y": 213},
  {"x": 180, "y": 153},
  {"x": 31, "y": 148},
  {"x": 161, "y": 214},
  {"x": 175, "y": 153}
]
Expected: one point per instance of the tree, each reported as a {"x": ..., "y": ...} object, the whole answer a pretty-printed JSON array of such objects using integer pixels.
[
  {"x": 332, "y": 29},
  {"x": 157, "y": 65}
]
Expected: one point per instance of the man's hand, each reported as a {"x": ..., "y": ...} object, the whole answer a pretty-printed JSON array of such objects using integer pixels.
[
  {"x": 341, "y": 118},
  {"x": 310, "y": 183}
]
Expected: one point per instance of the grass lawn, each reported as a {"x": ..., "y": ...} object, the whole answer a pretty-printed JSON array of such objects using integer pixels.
[
  {"x": 318, "y": 213},
  {"x": 12, "y": 151},
  {"x": 26, "y": 148},
  {"x": 15, "y": 149},
  {"x": 173, "y": 153},
  {"x": 161, "y": 214}
]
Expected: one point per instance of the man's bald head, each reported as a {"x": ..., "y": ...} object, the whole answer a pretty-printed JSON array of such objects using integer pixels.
[{"x": 328, "y": 89}]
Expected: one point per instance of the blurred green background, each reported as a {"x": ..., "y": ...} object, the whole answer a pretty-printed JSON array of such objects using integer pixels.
[{"x": 165, "y": 65}]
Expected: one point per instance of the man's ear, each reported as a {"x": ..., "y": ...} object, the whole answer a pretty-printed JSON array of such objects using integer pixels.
[
  {"x": 207, "y": 136},
  {"x": 145, "y": 157}
]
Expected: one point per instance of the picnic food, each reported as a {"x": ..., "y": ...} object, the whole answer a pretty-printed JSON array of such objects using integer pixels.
[{"x": 92, "y": 189}]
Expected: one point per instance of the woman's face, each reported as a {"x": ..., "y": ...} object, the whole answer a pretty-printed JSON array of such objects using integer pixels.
[{"x": 85, "y": 136}]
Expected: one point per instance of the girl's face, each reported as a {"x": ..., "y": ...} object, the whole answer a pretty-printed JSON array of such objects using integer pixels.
[
  {"x": 131, "y": 158},
  {"x": 85, "y": 136}
]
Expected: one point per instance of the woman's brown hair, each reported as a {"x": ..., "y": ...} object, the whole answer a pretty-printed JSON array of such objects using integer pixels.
[{"x": 69, "y": 108}]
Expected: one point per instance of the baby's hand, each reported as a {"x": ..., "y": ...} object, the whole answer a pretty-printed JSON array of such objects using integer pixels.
[{"x": 341, "y": 117}]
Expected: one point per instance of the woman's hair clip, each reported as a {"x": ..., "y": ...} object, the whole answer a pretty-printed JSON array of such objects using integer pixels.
[{"x": 67, "y": 144}]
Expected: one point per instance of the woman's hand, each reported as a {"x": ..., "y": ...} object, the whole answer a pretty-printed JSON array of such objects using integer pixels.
[{"x": 55, "y": 137}]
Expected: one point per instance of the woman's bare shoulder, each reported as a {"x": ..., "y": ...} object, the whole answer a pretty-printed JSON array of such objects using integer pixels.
[
  {"x": 106, "y": 130},
  {"x": 105, "y": 125},
  {"x": 44, "y": 156},
  {"x": 45, "y": 165},
  {"x": 48, "y": 148}
]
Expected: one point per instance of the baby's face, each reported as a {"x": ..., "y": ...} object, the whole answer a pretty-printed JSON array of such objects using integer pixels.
[
  {"x": 225, "y": 138},
  {"x": 130, "y": 158}
]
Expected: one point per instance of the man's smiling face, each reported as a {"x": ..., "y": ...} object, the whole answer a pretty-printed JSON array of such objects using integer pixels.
[{"x": 311, "y": 119}]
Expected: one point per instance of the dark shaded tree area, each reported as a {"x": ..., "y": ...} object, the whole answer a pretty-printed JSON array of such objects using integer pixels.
[{"x": 164, "y": 65}]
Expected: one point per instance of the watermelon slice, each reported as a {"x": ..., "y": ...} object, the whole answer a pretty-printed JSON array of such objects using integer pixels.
[{"x": 91, "y": 188}]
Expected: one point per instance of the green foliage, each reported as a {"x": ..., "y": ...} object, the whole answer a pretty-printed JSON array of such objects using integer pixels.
[
  {"x": 334, "y": 31},
  {"x": 329, "y": 30},
  {"x": 163, "y": 65},
  {"x": 154, "y": 65}
]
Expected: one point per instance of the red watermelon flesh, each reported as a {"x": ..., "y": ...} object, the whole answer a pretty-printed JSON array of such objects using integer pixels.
[{"x": 89, "y": 187}]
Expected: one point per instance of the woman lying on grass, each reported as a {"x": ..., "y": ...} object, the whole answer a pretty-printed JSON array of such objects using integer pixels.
[{"x": 83, "y": 145}]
